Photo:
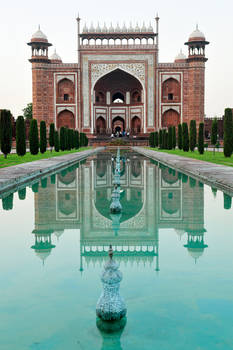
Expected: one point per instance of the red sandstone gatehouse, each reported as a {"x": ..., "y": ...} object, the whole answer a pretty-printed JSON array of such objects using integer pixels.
[{"x": 118, "y": 83}]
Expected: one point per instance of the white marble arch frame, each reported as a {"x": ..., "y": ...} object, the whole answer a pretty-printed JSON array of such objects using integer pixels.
[{"x": 110, "y": 71}]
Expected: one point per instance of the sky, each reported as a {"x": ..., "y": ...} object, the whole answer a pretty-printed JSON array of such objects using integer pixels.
[{"x": 20, "y": 19}]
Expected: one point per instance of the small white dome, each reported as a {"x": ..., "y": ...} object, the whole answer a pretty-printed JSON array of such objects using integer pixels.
[
  {"x": 91, "y": 29},
  {"x": 124, "y": 28},
  {"x": 43, "y": 255},
  {"x": 105, "y": 29},
  {"x": 131, "y": 29},
  {"x": 85, "y": 29},
  {"x": 196, "y": 253},
  {"x": 180, "y": 233},
  {"x": 150, "y": 28},
  {"x": 180, "y": 56},
  {"x": 137, "y": 29},
  {"x": 55, "y": 56},
  {"x": 98, "y": 29},
  {"x": 39, "y": 35},
  {"x": 111, "y": 29},
  {"x": 143, "y": 27},
  {"x": 117, "y": 29},
  {"x": 197, "y": 34}
]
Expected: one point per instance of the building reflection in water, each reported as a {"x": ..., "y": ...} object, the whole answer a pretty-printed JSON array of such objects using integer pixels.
[{"x": 153, "y": 197}]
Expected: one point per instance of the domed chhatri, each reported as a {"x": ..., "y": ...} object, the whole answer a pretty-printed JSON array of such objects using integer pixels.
[
  {"x": 39, "y": 36},
  {"x": 197, "y": 35},
  {"x": 55, "y": 58},
  {"x": 180, "y": 57},
  {"x": 111, "y": 306}
]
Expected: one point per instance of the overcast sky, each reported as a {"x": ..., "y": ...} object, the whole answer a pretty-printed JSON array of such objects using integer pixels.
[{"x": 20, "y": 19}]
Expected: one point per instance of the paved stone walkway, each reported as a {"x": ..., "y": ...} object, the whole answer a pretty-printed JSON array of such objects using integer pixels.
[
  {"x": 219, "y": 176},
  {"x": 12, "y": 177}
]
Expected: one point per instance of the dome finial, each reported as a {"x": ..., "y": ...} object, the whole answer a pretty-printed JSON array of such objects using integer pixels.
[{"x": 110, "y": 252}]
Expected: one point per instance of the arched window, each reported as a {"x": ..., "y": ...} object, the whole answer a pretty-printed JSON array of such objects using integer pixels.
[
  {"x": 171, "y": 90},
  {"x": 118, "y": 97}
]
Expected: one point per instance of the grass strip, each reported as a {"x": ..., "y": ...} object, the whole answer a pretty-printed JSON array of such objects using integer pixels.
[
  {"x": 208, "y": 156},
  {"x": 14, "y": 159}
]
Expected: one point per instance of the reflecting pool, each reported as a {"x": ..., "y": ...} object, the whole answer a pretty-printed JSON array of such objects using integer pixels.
[{"x": 173, "y": 240}]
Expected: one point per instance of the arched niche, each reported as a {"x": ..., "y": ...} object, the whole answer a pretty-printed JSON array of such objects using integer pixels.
[
  {"x": 100, "y": 125},
  {"x": 118, "y": 124},
  {"x": 171, "y": 90},
  {"x": 170, "y": 118},
  {"x": 65, "y": 91},
  {"x": 66, "y": 118},
  {"x": 135, "y": 125},
  {"x": 171, "y": 201}
]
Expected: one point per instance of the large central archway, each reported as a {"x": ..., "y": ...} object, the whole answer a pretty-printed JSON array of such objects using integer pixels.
[{"x": 117, "y": 95}]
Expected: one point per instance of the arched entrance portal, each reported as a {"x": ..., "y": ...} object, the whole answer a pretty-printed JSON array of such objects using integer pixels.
[
  {"x": 117, "y": 92},
  {"x": 100, "y": 125},
  {"x": 170, "y": 118},
  {"x": 136, "y": 125},
  {"x": 118, "y": 125}
]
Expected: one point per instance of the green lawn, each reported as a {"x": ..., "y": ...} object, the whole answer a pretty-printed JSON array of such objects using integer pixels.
[
  {"x": 14, "y": 159},
  {"x": 208, "y": 156}
]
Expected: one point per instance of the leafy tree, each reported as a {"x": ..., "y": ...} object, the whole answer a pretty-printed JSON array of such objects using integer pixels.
[
  {"x": 227, "y": 132},
  {"x": 180, "y": 137},
  {"x": 185, "y": 137},
  {"x": 201, "y": 138},
  {"x": 20, "y": 136},
  {"x": 56, "y": 141},
  {"x": 193, "y": 135},
  {"x": 174, "y": 137},
  {"x": 156, "y": 139},
  {"x": 51, "y": 136},
  {"x": 33, "y": 137},
  {"x": 22, "y": 194},
  {"x": 43, "y": 138},
  {"x": 160, "y": 138},
  {"x": 62, "y": 138},
  {"x": 27, "y": 111},
  {"x": 169, "y": 146},
  {"x": 5, "y": 132}
]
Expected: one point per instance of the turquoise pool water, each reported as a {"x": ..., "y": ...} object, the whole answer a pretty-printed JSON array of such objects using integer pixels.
[{"x": 174, "y": 242}]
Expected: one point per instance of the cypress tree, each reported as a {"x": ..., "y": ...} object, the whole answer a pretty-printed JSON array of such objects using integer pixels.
[
  {"x": 33, "y": 137},
  {"x": 66, "y": 139},
  {"x": 156, "y": 139},
  {"x": 53, "y": 177},
  {"x": 70, "y": 138},
  {"x": 160, "y": 138},
  {"x": 51, "y": 136},
  {"x": 185, "y": 137},
  {"x": 6, "y": 132},
  {"x": 56, "y": 141},
  {"x": 35, "y": 187},
  {"x": 76, "y": 139},
  {"x": 166, "y": 140},
  {"x": 73, "y": 138},
  {"x": 86, "y": 140},
  {"x": 43, "y": 182},
  {"x": 7, "y": 202},
  {"x": 201, "y": 138},
  {"x": 227, "y": 132},
  {"x": 62, "y": 138},
  {"x": 214, "y": 132},
  {"x": 227, "y": 201},
  {"x": 20, "y": 136},
  {"x": 193, "y": 135},
  {"x": 43, "y": 139},
  {"x": 180, "y": 137},
  {"x": 170, "y": 137},
  {"x": 81, "y": 139},
  {"x": 22, "y": 194},
  {"x": 151, "y": 139},
  {"x": 174, "y": 137}
]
